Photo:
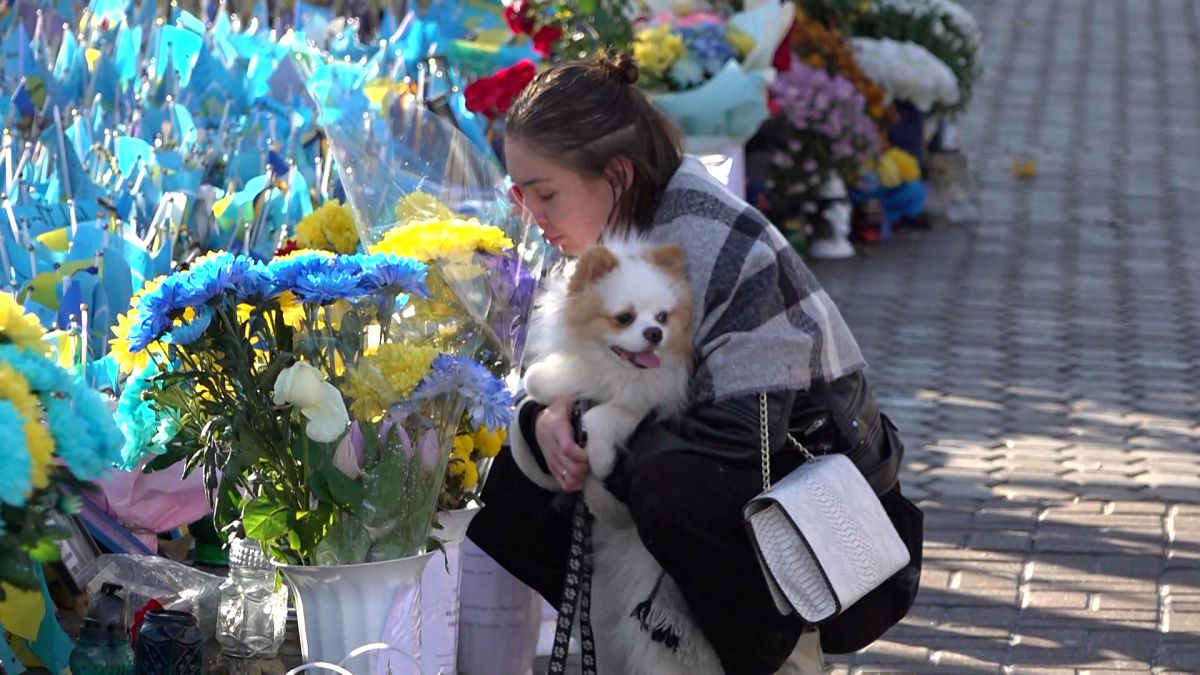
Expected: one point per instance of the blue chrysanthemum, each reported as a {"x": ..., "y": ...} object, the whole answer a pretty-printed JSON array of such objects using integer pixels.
[
  {"x": 394, "y": 274},
  {"x": 206, "y": 280},
  {"x": 156, "y": 311},
  {"x": 488, "y": 400},
  {"x": 708, "y": 45},
  {"x": 84, "y": 433},
  {"x": 17, "y": 474},
  {"x": 285, "y": 273},
  {"x": 79, "y": 421},
  {"x": 326, "y": 284},
  {"x": 245, "y": 277},
  {"x": 192, "y": 330}
]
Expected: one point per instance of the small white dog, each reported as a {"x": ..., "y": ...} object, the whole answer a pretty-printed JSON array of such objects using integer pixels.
[{"x": 621, "y": 337}]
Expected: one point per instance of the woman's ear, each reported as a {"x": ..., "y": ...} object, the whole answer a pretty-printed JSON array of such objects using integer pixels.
[{"x": 619, "y": 172}]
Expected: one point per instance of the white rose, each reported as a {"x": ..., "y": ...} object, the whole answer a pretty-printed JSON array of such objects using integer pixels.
[
  {"x": 299, "y": 385},
  {"x": 305, "y": 387}
]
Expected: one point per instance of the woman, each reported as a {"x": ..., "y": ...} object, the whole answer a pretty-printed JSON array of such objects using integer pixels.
[{"x": 591, "y": 156}]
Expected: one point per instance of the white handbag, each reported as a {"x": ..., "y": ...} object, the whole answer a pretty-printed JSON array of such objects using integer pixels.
[{"x": 821, "y": 534}]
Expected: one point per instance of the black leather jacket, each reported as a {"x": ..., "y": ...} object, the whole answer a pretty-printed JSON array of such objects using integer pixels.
[{"x": 841, "y": 416}]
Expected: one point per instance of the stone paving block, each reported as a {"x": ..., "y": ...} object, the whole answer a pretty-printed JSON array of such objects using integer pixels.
[
  {"x": 1067, "y": 321},
  {"x": 982, "y": 661},
  {"x": 885, "y": 652},
  {"x": 1054, "y": 600},
  {"x": 1183, "y": 622},
  {"x": 1185, "y": 656}
]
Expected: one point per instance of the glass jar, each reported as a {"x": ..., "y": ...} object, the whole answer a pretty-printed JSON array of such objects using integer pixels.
[{"x": 252, "y": 614}]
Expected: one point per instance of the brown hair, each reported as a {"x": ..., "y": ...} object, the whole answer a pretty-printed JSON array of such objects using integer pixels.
[{"x": 586, "y": 114}]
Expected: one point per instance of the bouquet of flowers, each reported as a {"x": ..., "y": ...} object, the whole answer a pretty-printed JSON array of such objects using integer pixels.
[
  {"x": 709, "y": 74},
  {"x": 55, "y": 434},
  {"x": 823, "y": 131},
  {"x": 492, "y": 96},
  {"x": 822, "y": 47},
  {"x": 570, "y": 30},
  {"x": 908, "y": 72},
  {"x": 320, "y": 412},
  {"x": 433, "y": 197},
  {"x": 943, "y": 27},
  {"x": 679, "y": 53}
]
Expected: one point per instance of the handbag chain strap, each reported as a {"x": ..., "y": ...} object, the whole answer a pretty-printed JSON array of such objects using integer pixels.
[{"x": 765, "y": 446}]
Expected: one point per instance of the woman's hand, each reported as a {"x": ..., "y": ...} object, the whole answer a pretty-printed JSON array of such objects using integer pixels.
[{"x": 568, "y": 462}]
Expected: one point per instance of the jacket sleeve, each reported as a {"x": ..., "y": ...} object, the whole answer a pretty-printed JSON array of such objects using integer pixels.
[
  {"x": 522, "y": 441},
  {"x": 729, "y": 431}
]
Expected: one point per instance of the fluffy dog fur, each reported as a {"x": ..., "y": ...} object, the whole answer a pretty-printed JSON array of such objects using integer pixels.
[{"x": 619, "y": 335}]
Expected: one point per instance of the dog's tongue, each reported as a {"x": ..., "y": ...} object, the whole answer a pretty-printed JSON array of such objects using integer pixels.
[{"x": 646, "y": 359}]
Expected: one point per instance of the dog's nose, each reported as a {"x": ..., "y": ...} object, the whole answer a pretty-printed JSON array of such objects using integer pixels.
[{"x": 653, "y": 334}]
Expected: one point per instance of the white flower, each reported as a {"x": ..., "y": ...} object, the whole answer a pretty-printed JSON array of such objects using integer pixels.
[
  {"x": 305, "y": 387},
  {"x": 907, "y": 72}
]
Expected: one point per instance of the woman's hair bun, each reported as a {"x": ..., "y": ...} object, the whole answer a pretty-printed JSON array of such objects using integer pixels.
[{"x": 620, "y": 67}]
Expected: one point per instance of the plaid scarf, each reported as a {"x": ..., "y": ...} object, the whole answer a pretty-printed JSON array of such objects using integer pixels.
[{"x": 763, "y": 321}]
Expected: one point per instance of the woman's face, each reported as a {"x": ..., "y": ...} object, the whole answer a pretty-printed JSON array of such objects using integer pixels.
[{"x": 570, "y": 208}]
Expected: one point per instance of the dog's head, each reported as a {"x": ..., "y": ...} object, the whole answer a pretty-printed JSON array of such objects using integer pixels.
[{"x": 634, "y": 301}]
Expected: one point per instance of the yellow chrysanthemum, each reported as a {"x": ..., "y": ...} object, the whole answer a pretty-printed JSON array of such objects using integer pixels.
[
  {"x": 897, "y": 167},
  {"x": 129, "y": 361},
  {"x": 404, "y": 366},
  {"x": 741, "y": 41},
  {"x": 464, "y": 445},
  {"x": 19, "y": 328},
  {"x": 367, "y": 390},
  {"x": 417, "y": 206},
  {"x": 488, "y": 442},
  {"x": 447, "y": 239},
  {"x": 462, "y": 473},
  {"x": 330, "y": 227},
  {"x": 14, "y": 388},
  {"x": 657, "y": 49},
  {"x": 385, "y": 377}
]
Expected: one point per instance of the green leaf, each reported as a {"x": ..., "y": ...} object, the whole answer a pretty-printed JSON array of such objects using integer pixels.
[
  {"x": 45, "y": 551},
  {"x": 344, "y": 491},
  {"x": 168, "y": 459},
  {"x": 264, "y": 519},
  {"x": 19, "y": 573}
]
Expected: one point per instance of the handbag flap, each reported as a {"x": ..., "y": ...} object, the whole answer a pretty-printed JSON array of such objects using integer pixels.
[{"x": 822, "y": 527}]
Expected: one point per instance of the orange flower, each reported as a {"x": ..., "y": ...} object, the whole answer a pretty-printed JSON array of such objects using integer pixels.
[{"x": 820, "y": 46}]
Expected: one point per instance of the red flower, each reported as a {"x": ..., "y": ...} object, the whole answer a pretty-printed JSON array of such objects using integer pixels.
[
  {"x": 481, "y": 96},
  {"x": 140, "y": 616},
  {"x": 545, "y": 39},
  {"x": 289, "y": 246},
  {"x": 519, "y": 17},
  {"x": 783, "y": 53},
  {"x": 492, "y": 96}
]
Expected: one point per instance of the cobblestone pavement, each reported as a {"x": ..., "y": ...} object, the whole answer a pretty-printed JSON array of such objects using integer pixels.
[{"x": 1044, "y": 365}]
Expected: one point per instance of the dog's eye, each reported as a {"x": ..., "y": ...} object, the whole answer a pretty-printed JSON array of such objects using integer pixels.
[
  {"x": 661, "y": 318},
  {"x": 624, "y": 318}
]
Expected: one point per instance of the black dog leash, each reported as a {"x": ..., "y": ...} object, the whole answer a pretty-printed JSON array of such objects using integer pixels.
[{"x": 577, "y": 585}]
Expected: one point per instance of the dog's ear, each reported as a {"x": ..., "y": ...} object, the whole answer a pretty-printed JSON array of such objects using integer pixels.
[
  {"x": 595, "y": 262},
  {"x": 669, "y": 257}
]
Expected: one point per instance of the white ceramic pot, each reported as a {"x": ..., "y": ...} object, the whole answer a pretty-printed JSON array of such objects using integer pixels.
[{"x": 342, "y": 607}]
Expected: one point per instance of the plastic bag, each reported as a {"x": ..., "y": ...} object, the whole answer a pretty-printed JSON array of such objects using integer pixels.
[{"x": 144, "y": 578}]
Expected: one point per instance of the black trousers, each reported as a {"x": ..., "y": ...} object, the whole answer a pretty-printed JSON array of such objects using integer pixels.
[{"x": 688, "y": 512}]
